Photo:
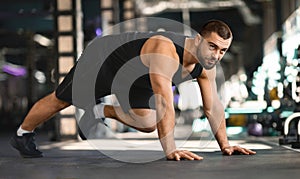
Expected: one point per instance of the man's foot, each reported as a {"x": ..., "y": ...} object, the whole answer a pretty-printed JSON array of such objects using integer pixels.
[
  {"x": 26, "y": 145},
  {"x": 88, "y": 123}
]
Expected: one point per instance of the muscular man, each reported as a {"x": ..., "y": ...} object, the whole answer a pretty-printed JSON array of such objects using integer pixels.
[{"x": 136, "y": 67}]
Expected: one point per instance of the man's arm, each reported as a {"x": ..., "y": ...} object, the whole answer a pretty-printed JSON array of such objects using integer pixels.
[
  {"x": 159, "y": 54},
  {"x": 214, "y": 112},
  {"x": 212, "y": 106}
]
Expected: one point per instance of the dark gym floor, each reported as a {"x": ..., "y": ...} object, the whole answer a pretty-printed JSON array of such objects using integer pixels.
[{"x": 77, "y": 159}]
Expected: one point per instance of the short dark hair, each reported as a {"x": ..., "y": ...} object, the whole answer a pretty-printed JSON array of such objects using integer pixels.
[{"x": 217, "y": 26}]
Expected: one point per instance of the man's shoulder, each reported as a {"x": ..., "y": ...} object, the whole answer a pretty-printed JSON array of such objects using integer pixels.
[{"x": 132, "y": 35}]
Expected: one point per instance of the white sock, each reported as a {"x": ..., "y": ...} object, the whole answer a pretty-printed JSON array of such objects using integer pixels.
[
  {"x": 99, "y": 111},
  {"x": 21, "y": 131}
]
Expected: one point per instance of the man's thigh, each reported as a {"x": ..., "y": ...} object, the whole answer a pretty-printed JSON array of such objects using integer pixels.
[{"x": 138, "y": 100}]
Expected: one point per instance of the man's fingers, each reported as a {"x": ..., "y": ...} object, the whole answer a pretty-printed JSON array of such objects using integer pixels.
[
  {"x": 227, "y": 151},
  {"x": 177, "y": 156},
  {"x": 195, "y": 156},
  {"x": 251, "y": 152},
  {"x": 184, "y": 154},
  {"x": 190, "y": 155},
  {"x": 187, "y": 155},
  {"x": 238, "y": 149},
  {"x": 245, "y": 151}
]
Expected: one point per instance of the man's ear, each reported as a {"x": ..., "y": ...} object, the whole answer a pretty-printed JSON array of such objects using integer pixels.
[{"x": 197, "y": 40}]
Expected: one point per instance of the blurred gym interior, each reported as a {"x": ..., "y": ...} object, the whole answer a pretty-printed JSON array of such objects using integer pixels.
[{"x": 259, "y": 84}]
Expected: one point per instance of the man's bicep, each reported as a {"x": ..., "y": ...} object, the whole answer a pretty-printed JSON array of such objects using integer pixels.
[{"x": 161, "y": 71}]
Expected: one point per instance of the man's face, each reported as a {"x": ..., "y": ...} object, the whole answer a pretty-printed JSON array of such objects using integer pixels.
[{"x": 211, "y": 49}]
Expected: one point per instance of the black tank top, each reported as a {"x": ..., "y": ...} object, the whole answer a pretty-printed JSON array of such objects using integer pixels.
[{"x": 123, "y": 67}]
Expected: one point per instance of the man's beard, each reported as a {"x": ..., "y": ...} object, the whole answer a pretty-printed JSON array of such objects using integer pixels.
[
  {"x": 210, "y": 64},
  {"x": 206, "y": 63}
]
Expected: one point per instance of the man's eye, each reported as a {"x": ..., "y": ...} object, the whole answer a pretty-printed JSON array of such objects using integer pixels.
[{"x": 212, "y": 47}]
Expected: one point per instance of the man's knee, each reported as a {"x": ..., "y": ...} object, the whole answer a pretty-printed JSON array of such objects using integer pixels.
[
  {"x": 148, "y": 129},
  {"x": 59, "y": 103},
  {"x": 146, "y": 115},
  {"x": 146, "y": 118},
  {"x": 141, "y": 112}
]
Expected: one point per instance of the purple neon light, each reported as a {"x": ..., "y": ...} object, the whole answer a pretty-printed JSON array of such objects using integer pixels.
[
  {"x": 14, "y": 70},
  {"x": 98, "y": 31}
]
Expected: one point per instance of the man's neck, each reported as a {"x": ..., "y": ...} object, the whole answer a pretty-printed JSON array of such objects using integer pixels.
[{"x": 189, "y": 52}]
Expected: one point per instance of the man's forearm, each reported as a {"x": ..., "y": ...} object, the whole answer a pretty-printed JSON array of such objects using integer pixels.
[
  {"x": 165, "y": 128},
  {"x": 221, "y": 135},
  {"x": 218, "y": 125},
  {"x": 168, "y": 143}
]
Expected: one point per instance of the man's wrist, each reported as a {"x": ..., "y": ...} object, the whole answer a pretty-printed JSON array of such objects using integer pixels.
[
  {"x": 224, "y": 147},
  {"x": 168, "y": 144}
]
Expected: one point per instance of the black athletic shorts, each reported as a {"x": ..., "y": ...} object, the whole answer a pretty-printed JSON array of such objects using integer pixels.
[{"x": 138, "y": 97}]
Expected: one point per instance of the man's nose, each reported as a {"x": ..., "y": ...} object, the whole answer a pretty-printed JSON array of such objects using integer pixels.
[{"x": 216, "y": 55}]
